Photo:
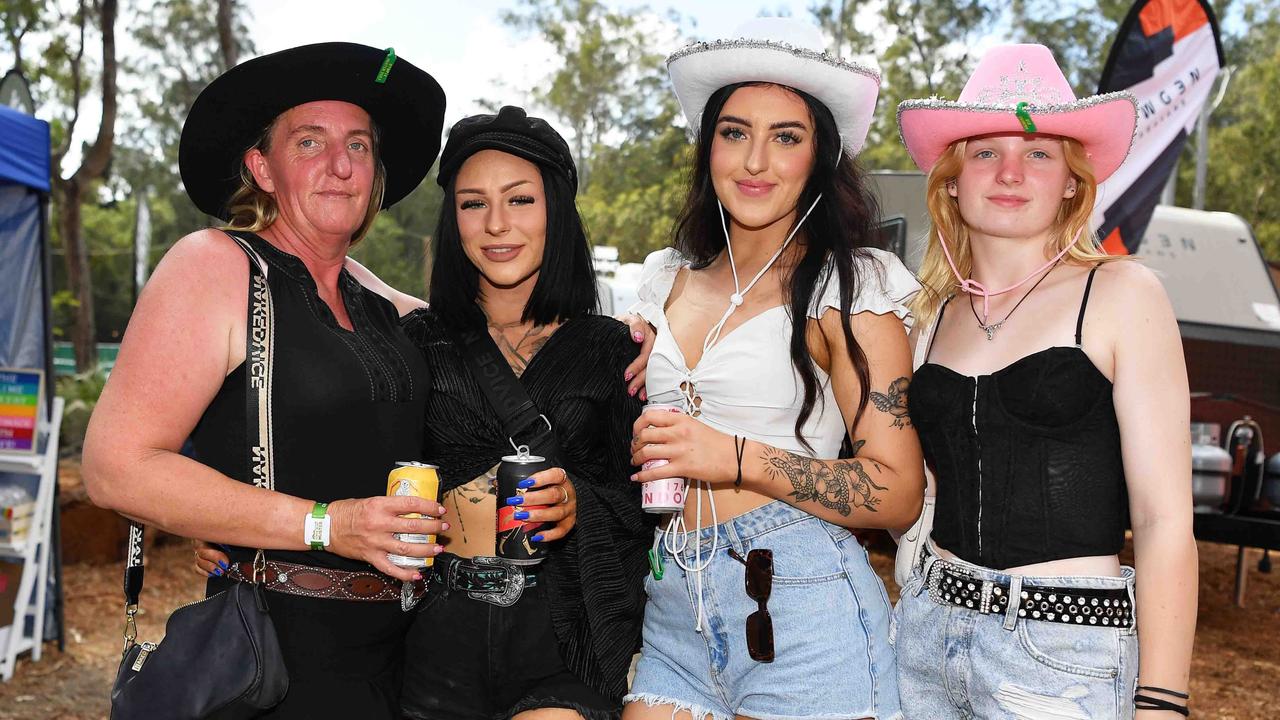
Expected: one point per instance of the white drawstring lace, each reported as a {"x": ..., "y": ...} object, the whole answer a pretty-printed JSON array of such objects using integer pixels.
[{"x": 677, "y": 525}]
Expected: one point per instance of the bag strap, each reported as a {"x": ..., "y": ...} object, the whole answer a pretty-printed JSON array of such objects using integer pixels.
[
  {"x": 505, "y": 394},
  {"x": 259, "y": 347}
]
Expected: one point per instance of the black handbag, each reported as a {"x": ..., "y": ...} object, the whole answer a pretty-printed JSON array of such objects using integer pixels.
[{"x": 220, "y": 657}]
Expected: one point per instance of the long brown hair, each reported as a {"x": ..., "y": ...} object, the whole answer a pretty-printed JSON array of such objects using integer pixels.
[{"x": 944, "y": 212}]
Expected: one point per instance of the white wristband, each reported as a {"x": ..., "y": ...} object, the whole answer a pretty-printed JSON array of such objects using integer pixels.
[{"x": 315, "y": 527}]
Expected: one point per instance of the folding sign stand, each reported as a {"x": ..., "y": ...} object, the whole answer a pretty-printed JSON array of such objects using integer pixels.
[{"x": 34, "y": 550}]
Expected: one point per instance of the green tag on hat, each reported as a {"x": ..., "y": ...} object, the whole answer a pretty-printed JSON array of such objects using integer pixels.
[
  {"x": 387, "y": 62},
  {"x": 1024, "y": 117}
]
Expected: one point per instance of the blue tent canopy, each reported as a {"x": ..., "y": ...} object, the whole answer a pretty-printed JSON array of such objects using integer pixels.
[{"x": 24, "y": 150}]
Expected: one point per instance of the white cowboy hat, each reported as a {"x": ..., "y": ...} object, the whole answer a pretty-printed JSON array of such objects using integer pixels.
[{"x": 785, "y": 52}]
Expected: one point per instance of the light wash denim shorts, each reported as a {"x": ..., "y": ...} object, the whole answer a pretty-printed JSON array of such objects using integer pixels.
[
  {"x": 954, "y": 662},
  {"x": 832, "y": 657}
]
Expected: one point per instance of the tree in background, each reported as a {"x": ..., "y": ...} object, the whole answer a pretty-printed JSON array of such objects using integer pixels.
[
  {"x": 1244, "y": 132},
  {"x": 70, "y": 192},
  {"x": 610, "y": 82},
  {"x": 1080, "y": 34}
]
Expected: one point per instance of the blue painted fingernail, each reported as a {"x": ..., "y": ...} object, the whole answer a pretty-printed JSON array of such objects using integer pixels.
[
  {"x": 537, "y": 538},
  {"x": 224, "y": 564},
  {"x": 522, "y": 514},
  {"x": 515, "y": 500},
  {"x": 217, "y": 572},
  {"x": 212, "y": 575},
  {"x": 525, "y": 483}
]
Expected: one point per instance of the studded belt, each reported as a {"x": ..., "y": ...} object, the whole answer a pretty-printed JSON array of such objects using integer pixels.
[
  {"x": 950, "y": 584},
  {"x": 489, "y": 579},
  {"x": 318, "y": 582}
]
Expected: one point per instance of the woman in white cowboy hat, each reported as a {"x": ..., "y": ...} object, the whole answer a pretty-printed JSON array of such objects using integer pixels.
[
  {"x": 1052, "y": 413},
  {"x": 779, "y": 333}
]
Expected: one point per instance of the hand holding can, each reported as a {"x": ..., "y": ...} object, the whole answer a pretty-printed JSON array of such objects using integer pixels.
[
  {"x": 666, "y": 495},
  {"x": 422, "y": 480}
]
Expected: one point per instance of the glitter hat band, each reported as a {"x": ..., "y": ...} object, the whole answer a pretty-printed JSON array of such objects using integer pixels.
[
  {"x": 1020, "y": 88},
  {"x": 786, "y": 52}
]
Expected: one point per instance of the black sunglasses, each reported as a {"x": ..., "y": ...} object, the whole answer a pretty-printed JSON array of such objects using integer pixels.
[{"x": 759, "y": 585}]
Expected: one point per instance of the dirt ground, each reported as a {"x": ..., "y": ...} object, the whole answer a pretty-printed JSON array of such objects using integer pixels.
[{"x": 1234, "y": 677}]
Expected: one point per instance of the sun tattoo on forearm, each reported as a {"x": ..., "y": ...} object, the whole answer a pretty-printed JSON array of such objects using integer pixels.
[
  {"x": 840, "y": 485},
  {"x": 894, "y": 402}
]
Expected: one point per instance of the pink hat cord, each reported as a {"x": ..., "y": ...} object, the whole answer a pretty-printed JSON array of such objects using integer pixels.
[{"x": 973, "y": 287}]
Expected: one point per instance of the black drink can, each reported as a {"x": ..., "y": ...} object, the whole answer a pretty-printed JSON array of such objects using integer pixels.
[{"x": 513, "y": 541}]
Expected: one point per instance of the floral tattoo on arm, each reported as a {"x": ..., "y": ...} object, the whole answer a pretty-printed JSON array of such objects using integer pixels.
[
  {"x": 839, "y": 485},
  {"x": 894, "y": 402}
]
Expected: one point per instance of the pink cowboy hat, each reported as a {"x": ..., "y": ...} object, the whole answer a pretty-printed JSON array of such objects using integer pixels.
[{"x": 1019, "y": 88}]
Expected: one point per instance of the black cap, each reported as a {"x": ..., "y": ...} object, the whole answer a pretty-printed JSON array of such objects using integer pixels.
[
  {"x": 511, "y": 131},
  {"x": 230, "y": 114}
]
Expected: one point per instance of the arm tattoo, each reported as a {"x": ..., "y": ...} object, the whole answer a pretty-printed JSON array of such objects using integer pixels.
[
  {"x": 840, "y": 485},
  {"x": 894, "y": 402}
]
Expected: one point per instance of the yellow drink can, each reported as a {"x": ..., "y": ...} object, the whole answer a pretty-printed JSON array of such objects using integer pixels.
[{"x": 420, "y": 480}]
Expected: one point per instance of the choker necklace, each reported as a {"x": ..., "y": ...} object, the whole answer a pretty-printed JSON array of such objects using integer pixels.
[{"x": 991, "y": 329}]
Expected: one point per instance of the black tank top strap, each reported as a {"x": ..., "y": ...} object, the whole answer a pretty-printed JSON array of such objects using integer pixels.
[
  {"x": 933, "y": 332},
  {"x": 1084, "y": 303}
]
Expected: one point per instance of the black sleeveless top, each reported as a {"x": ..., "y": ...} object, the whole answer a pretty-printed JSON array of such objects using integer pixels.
[
  {"x": 1027, "y": 458},
  {"x": 346, "y": 405}
]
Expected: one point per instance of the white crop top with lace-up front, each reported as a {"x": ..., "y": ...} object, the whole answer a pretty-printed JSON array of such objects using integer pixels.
[{"x": 745, "y": 384}]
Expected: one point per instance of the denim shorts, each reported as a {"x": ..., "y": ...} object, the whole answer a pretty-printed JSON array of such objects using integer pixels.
[
  {"x": 832, "y": 657},
  {"x": 954, "y": 662}
]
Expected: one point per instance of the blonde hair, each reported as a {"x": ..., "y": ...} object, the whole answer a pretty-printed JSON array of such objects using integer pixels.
[
  {"x": 1073, "y": 217},
  {"x": 253, "y": 209}
]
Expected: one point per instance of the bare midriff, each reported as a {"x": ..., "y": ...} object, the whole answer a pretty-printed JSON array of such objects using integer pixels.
[
  {"x": 472, "y": 524},
  {"x": 730, "y": 503},
  {"x": 1094, "y": 566}
]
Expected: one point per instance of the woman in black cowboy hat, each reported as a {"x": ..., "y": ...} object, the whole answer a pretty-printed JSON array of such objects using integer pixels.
[
  {"x": 511, "y": 256},
  {"x": 296, "y": 152}
]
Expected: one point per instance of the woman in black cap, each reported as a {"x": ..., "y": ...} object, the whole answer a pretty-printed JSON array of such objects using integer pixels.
[
  {"x": 554, "y": 640},
  {"x": 296, "y": 152}
]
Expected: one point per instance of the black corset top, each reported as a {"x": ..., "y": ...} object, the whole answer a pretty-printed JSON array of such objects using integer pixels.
[{"x": 1026, "y": 459}]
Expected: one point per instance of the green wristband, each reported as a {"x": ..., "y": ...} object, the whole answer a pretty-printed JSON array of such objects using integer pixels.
[{"x": 320, "y": 530}]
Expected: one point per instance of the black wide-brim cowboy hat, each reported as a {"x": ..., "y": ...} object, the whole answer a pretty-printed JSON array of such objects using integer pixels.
[{"x": 229, "y": 115}]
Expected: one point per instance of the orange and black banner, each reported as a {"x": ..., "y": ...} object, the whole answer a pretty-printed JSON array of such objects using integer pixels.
[{"x": 1167, "y": 53}]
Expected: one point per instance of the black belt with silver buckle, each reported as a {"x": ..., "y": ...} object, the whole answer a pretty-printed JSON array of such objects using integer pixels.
[
  {"x": 488, "y": 579},
  {"x": 953, "y": 585}
]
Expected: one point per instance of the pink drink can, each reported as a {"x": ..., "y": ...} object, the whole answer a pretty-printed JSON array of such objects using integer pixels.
[{"x": 665, "y": 495}]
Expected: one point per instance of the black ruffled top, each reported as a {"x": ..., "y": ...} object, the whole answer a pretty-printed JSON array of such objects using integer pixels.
[{"x": 593, "y": 577}]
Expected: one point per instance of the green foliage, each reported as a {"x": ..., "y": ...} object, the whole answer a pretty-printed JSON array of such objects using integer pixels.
[
  {"x": 1243, "y": 176},
  {"x": 1080, "y": 34},
  {"x": 610, "y": 80},
  {"x": 80, "y": 393}
]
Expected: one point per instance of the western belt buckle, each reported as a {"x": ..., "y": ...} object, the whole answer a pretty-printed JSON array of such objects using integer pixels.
[{"x": 513, "y": 583}]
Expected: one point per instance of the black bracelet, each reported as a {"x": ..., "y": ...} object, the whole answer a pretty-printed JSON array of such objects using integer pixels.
[
  {"x": 1146, "y": 702},
  {"x": 739, "y": 448},
  {"x": 1164, "y": 691}
]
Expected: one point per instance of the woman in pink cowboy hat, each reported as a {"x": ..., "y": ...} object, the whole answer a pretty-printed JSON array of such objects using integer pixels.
[
  {"x": 779, "y": 333},
  {"x": 1053, "y": 414}
]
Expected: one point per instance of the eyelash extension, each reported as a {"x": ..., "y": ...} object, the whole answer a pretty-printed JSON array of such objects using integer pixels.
[
  {"x": 792, "y": 138},
  {"x": 726, "y": 132},
  {"x": 468, "y": 204},
  {"x": 522, "y": 199}
]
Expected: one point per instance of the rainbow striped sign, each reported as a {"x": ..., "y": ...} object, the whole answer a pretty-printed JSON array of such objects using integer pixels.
[{"x": 20, "y": 393}]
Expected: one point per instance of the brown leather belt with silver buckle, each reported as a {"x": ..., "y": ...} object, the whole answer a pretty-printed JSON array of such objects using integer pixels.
[
  {"x": 317, "y": 582},
  {"x": 953, "y": 585}
]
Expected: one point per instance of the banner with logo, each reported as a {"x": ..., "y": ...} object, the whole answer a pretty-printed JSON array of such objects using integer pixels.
[{"x": 1167, "y": 53}]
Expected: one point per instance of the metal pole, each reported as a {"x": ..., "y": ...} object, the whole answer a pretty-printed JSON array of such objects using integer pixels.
[
  {"x": 1242, "y": 575},
  {"x": 1167, "y": 196},
  {"x": 1202, "y": 157}
]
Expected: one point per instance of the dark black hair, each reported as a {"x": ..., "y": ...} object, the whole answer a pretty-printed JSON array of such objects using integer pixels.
[
  {"x": 845, "y": 220},
  {"x": 566, "y": 285}
]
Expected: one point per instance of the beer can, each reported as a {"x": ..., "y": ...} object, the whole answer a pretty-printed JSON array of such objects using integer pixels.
[
  {"x": 513, "y": 536},
  {"x": 421, "y": 480},
  {"x": 665, "y": 495}
]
